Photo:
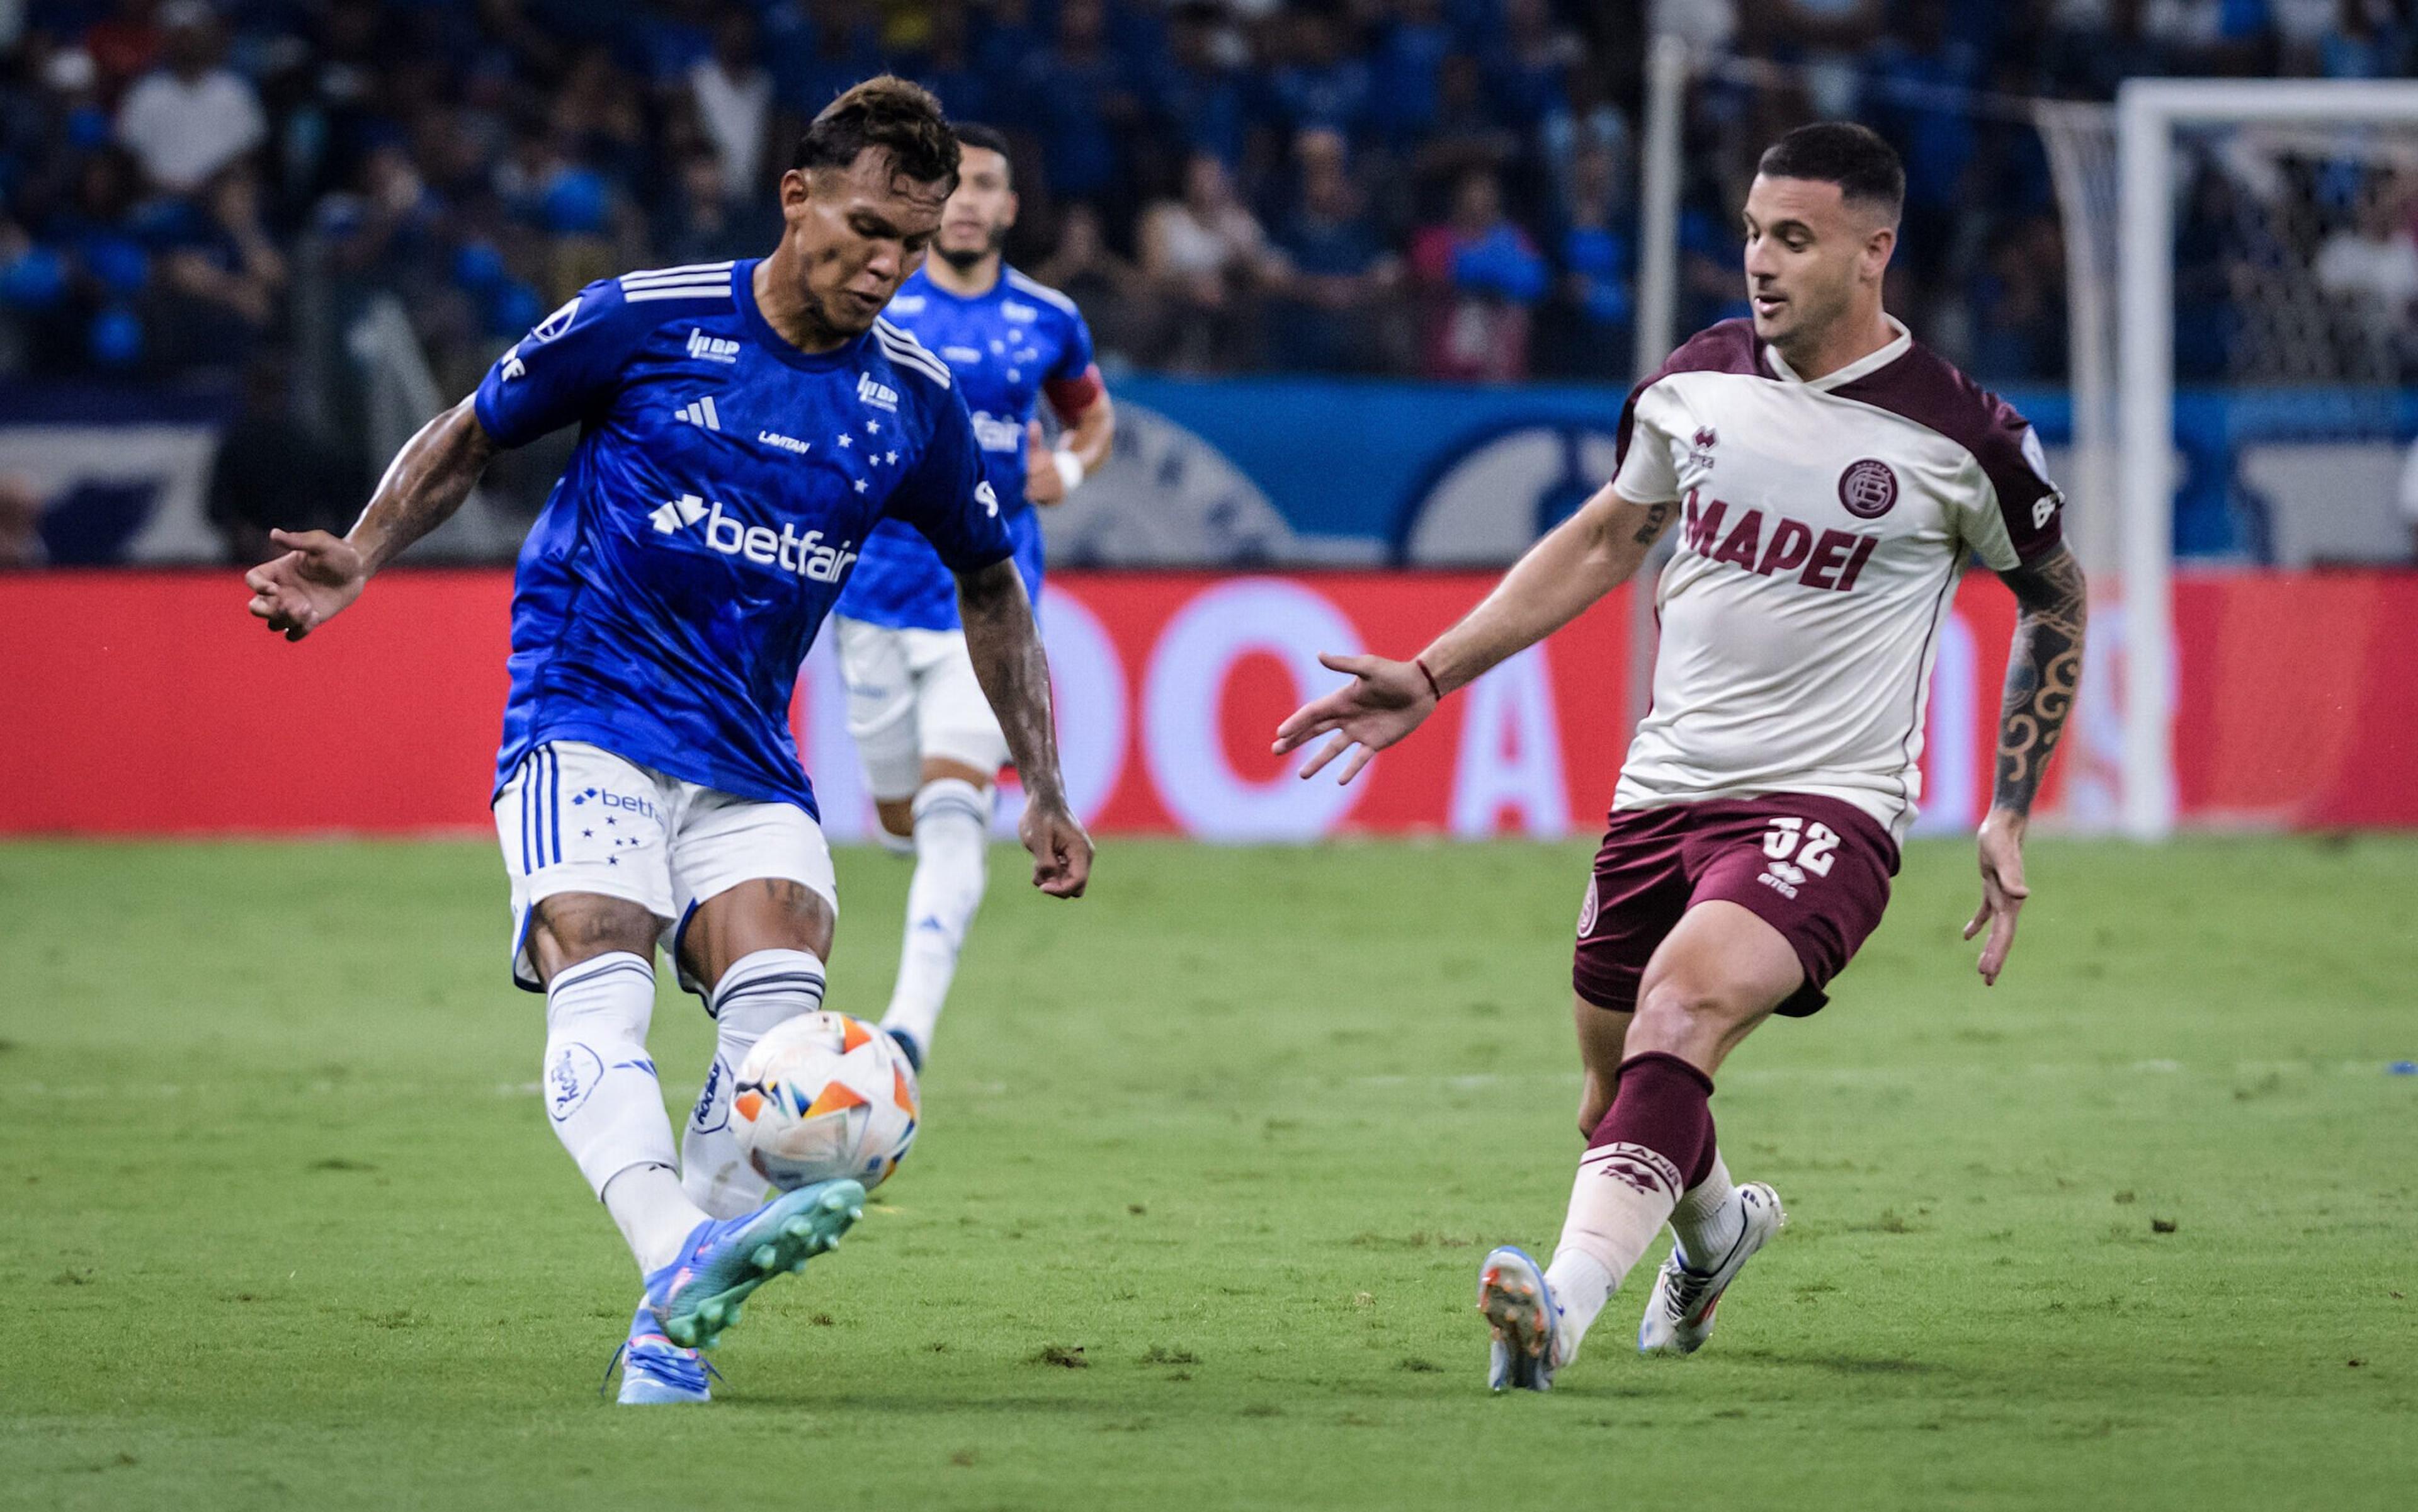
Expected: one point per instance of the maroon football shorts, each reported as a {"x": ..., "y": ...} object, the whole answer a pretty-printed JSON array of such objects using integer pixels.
[{"x": 1816, "y": 869}]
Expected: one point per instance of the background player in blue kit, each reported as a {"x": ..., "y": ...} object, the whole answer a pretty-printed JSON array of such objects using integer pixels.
[
  {"x": 745, "y": 429},
  {"x": 930, "y": 746}
]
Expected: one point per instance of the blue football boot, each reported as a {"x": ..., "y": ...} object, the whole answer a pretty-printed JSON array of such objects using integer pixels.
[
  {"x": 724, "y": 1261},
  {"x": 657, "y": 1372}
]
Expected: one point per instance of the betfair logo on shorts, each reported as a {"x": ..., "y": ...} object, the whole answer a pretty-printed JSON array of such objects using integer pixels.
[
  {"x": 630, "y": 802},
  {"x": 726, "y": 534}
]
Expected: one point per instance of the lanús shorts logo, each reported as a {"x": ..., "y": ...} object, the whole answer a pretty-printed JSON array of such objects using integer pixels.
[
  {"x": 1705, "y": 437},
  {"x": 1586, "y": 912},
  {"x": 1868, "y": 488}
]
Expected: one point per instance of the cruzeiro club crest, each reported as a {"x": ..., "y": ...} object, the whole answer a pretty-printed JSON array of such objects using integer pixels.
[{"x": 1868, "y": 488}]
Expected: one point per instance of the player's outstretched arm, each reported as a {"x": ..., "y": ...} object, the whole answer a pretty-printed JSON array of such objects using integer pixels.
[
  {"x": 2042, "y": 671},
  {"x": 1580, "y": 560},
  {"x": 321, "y": 573},
  {"x": 1005, "y": 647}
]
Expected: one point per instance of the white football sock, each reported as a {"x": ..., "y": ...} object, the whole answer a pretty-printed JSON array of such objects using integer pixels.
[
  {"x": 760, "y": 989},
  {"x": 655, "y": 1217},
  {"x": 952, "y": 867},
  {"x": 1709, "y": 1217},
  {"x": 606, "y": 1104},
  {"x": 1622, "y": 1197}
]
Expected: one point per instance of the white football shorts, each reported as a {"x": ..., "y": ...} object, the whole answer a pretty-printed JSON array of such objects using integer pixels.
[
  {"x": 912, "y": 696},
  {"x": 576, "y": 819}
]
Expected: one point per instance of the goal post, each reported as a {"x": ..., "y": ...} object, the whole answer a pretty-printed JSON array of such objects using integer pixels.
[{"x": 2148, "y": 112}]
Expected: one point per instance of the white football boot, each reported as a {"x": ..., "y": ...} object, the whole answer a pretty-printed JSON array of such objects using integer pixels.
[{"x": 1679, "y": 1315}]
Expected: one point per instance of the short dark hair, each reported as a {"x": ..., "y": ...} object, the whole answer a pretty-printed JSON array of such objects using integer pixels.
[
  {"x": 989, "y": 138},
  {"x": 889, "y": 114},
  {"x": 1840, "y": 152}
]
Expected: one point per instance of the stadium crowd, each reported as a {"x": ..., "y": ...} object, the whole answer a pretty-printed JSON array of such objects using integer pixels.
[{"x": 1440, "y": 188}]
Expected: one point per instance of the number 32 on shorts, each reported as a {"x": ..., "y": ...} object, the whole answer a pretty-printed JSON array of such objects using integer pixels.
[{"x": 1804, "y": 845}]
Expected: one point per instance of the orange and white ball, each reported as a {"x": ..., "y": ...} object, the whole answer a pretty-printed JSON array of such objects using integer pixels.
[{"x": 823, "y": 1097}]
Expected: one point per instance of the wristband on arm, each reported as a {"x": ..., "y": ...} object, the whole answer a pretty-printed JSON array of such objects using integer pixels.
[
  {"x": 1070, "y": 468},
  {"x": 1434, "y": 690}
]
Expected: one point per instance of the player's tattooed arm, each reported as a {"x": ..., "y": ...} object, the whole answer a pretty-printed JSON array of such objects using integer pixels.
[
  {"x": 320, "y": 574},
  {"x": 1005, "y": 647},
  {"x": 2042, "y": 671}
]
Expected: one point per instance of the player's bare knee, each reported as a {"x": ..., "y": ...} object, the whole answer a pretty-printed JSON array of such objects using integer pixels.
[
  {"x": 1684, "y": 1016},
  {"x": 571, "y": 927},
  {"x": 897, "y": 816}
]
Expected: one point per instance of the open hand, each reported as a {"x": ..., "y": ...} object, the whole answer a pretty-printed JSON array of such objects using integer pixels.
[
  {"x": 1062, "y": 853},
  {"x": 317, "y": 578},
  {"x": 1385, "y": 701},
  {"x": 2002, "y": 846}
]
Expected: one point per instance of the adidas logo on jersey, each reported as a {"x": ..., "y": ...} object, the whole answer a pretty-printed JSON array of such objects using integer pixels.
[
  {"x": 728, "y": 536},
  {"x": 701, "y": 413},
  {"x": 879, "y": 395},
  {"x": 1021, "y": 313},
  {"x": 711, "y": 348}
]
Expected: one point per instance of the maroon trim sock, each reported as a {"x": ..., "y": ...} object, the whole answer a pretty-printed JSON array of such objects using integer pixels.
[{"x": 1663, "y": 1105}]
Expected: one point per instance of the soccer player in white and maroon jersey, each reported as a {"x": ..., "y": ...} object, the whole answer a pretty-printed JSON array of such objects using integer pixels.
[{"x": 1831, "y": 479}]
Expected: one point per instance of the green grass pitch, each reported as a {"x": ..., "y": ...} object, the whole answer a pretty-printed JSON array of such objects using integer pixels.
[{"x": 1209, "y": 1162}]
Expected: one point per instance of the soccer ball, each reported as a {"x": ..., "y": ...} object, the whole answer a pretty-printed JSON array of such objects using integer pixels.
[{"x": 821, "y": 1097}]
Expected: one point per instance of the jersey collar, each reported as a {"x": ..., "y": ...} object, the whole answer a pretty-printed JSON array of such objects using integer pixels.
[
  {"x": 1869, "y": 363},
  {"x": 743, "y": 288}
]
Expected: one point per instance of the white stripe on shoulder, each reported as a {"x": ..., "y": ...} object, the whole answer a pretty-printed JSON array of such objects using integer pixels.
[
  {"x": 682, "y": 274},
  {"x": 1041, "y": 291},
  {"x": 905, "y": 350},
  {"x": 678, "y": 291}
]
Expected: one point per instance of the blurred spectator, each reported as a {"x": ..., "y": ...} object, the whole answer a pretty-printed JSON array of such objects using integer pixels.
[
  {"x": 1334, "y": 273},
  {"x": 1077, "y": 95},
  {"x": 732, "y": 94},
  {"x": 1406, "y": 79},
  {"x": 1480, "y": 274},
  {"x": 224, "y": 277},
  {"x": 1529, "y": 72},
  {"x": 1111, "y": 291},
  {"x": 1320, "y": 85},
  {"x": 2370, "y": 269},
  {"x": 1198, "y": 91},
  {"x": 1205, "y": 257},
  {"x": 191, "y": 117},
  {"x": 2409, "y": 500},
  {"x": 1598, "y": 263}
]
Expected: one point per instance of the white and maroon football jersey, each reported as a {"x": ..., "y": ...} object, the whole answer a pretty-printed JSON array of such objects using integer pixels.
[{"x": 1823, "y": 528}]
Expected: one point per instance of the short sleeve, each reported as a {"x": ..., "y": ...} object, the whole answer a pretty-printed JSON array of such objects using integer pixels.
[
  {"x": 557, "y": 373},
  {"x": 2021, "y": 516},
  {"x": 945, "y": 497},
  {"x": 1647, "y": 473}
]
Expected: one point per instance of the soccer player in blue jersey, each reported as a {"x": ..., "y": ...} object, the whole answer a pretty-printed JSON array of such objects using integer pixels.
[
  {"x": 931, "y": 746},
  {"x": 744, "y": 428}
]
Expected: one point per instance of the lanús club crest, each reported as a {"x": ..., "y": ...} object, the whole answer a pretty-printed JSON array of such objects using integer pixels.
[{"x": 1868, "y": 488}]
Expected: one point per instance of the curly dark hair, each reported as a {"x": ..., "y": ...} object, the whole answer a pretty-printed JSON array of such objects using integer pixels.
[{"x": 889, "y": 114}]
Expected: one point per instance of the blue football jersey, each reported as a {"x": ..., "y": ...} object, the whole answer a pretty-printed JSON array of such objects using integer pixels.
[
  {"x": 724, "y": 485},
  {"x": 1005, "y": 348}
]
